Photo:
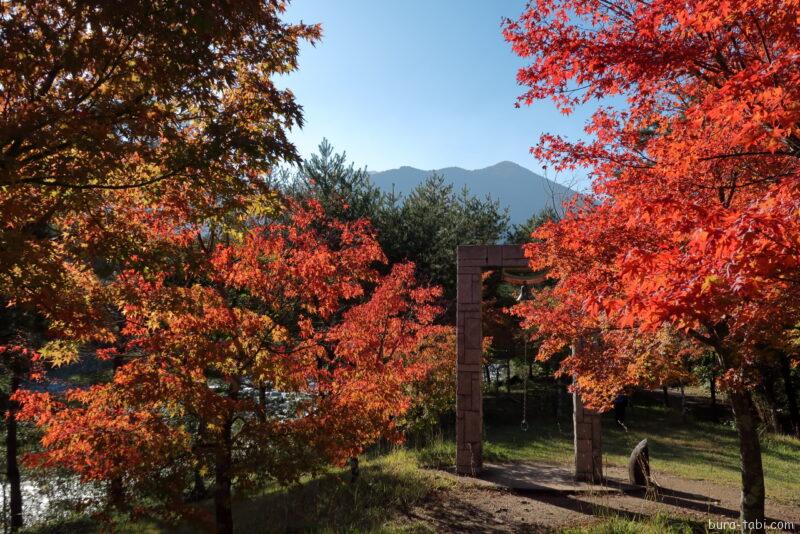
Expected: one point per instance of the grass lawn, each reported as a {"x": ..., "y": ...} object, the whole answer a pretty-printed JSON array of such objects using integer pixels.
[
  {"x": 392, "y": 484},
  {"x": 659, "y": 524},
  {"x": 388, "y": 485},
  {"x": 694, "y": 449}
]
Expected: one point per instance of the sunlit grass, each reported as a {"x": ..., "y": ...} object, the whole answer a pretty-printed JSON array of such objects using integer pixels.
[
  {"x": 658, "y": 524},
  {"x": 693, "y": 449},
  {"x": 703, "y": 450},
  {"x": 387, "y": 485},
  {"x": 392, "y": 484}
]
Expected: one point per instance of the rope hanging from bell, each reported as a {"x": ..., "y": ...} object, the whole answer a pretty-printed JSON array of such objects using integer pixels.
[{"x": 526, "y": 282}]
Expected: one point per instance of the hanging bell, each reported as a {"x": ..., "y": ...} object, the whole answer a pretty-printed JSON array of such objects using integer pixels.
[{"x": 524, "y": 293}]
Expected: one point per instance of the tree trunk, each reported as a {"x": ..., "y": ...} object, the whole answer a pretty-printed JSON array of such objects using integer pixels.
[
  {"x": 564, "y": 403},
  {"x": 666, "y": 396},
  {"x": 752, "y": 504},
  {"x": 262, "y": 401},
  {"x": 354, "y": 470},
  {"x": 683, "y": 403},
  {"x": 12, "y": 465},
  {"x": 712, "y": 386},
  {"x": 116, "y": 488},
  {"x": 770, "y": 396},
  {"x": 791, "y": 393},
  {"x": 199, "y": 491},
  {"x": 508, "y": 376},
  {"x": 223, "y": 482},
  {"x": 116, "y": 493}
]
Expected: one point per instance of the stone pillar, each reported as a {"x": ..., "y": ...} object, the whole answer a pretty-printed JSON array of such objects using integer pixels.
[
  {"x": 469, "y": 402},
  {"x": 472, "y": 260},
  {"x": 588, "y": 444},
  {"x": 588, "y": 437}
]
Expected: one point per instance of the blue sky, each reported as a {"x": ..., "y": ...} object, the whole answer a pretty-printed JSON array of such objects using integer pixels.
[{"x": 429, "y": 84}]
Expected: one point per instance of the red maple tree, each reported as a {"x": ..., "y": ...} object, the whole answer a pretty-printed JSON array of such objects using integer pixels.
[
  {"x": 231, "y": 319},
  {"x": 111, "y": 108},
  {"x": 695, "y": 162}
]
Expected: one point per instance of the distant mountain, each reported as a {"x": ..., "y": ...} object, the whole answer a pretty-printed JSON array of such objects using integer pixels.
[{"x": 524, "y": 192}]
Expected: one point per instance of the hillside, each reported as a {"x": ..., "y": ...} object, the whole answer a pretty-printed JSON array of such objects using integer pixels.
[{"x": 524, "y": 192}]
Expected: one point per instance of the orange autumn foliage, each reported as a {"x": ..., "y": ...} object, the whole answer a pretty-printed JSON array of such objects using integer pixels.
[
  {"x": 693, "y": 218},
  {"x": 111, "y": 109},
  {"x": 295, "y": 309},
  {"x": 692, "y": 224}
]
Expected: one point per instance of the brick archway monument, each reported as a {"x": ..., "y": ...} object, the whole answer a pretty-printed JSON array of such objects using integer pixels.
[{"x": 472, "y": 261}]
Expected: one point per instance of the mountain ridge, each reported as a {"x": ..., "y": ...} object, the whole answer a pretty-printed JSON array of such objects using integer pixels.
[{"x": 521, "y": 190}]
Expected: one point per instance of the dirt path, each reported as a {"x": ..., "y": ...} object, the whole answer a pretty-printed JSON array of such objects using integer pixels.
[{"x": 474, "y": 507}]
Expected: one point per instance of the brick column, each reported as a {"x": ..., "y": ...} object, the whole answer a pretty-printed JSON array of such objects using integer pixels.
[
  {"x": 469, "y": 402},
  {"x": 472, "y": 259},
  {"x": 588, "y": 443},
  {"x": 588, "y": 438}
]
